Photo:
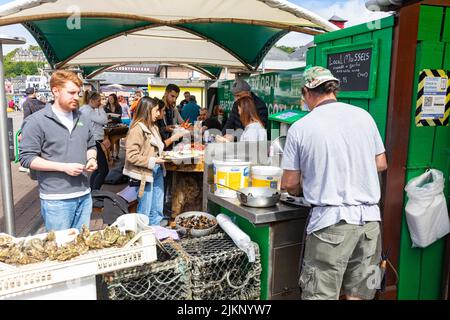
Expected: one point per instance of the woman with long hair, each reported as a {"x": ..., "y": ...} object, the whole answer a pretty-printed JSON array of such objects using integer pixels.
[
  {"x": 97, "y": 115},
  {"x": 114, "y": 112},
  {"x": 254, "y": 127},
  {"x": 143, "y": 162}
]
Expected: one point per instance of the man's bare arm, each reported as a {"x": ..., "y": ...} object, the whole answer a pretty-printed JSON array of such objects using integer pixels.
[
  {"x": 381, "y": 162},
  {"x": 292, "y": 182}
]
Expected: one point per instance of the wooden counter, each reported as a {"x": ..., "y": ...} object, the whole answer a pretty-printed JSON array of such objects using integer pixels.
[{"x": 187, "y": 185}]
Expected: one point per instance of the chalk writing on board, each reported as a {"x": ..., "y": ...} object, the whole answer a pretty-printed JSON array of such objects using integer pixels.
[{"x": 352, "y": 68}]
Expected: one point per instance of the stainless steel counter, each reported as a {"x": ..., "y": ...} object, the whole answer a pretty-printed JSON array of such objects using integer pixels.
[{"x": 280, "y": 212}]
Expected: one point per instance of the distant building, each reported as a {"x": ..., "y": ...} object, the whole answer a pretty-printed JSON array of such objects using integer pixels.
[
  {"x": 19, "y": 84},
  {"x": 25, "y": 55},
  {"x": 300, "y": 52},
  {"x": 40, "y": 83},
  {"x": 277, "y": 59}
]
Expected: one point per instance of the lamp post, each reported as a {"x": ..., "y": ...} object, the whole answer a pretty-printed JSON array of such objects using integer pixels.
[{"x": 5, "y": 164}]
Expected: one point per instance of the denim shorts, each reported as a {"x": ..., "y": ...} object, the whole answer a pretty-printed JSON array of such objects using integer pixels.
[{"x": 342, "y": 259}]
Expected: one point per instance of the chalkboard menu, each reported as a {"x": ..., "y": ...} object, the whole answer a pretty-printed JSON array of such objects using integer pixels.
[{"x": 352, "y": 68}]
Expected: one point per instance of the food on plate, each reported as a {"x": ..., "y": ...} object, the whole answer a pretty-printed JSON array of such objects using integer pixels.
[{"x": 186, "y": 124}]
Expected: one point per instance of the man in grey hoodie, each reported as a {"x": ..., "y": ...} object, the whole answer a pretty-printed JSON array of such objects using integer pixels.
[{"x": 58, "y": 144}]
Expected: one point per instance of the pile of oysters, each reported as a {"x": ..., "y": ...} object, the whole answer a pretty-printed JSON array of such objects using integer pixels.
[{"x": 37, "y": 250}]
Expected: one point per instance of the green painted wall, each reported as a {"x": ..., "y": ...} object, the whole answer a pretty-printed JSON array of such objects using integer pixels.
[{"x": 421, "y": 269}]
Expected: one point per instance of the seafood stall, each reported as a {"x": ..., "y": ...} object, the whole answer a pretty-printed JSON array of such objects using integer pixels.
[{"x": 277, "y": 229}]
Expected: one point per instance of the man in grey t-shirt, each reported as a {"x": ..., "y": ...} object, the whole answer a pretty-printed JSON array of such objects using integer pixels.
[{"x": 333, "y": 155}]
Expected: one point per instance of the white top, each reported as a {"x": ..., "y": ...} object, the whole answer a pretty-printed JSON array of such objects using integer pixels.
[
  {"x": 66, "y": 118},
  {"x": 125, "y": 109},
  {"x": 334, "y": 147},
  {"x": 254, "y": 132}
]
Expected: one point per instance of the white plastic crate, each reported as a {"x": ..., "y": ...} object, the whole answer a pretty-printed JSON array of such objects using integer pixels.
[
  {"x": 13, "y": 280},
  {"x": 77, "y": 289}
]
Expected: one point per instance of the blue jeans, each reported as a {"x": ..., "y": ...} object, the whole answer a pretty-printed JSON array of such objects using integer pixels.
[
  {"x": 152, "y": 201},
  {"x": 65, "y": 214}
]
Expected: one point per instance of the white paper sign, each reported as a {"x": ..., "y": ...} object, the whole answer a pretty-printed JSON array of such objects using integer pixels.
[{"x": 434, "y": 94}]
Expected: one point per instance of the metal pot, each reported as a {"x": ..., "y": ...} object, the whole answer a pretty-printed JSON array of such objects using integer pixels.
[{"x": 258, "y": 197}]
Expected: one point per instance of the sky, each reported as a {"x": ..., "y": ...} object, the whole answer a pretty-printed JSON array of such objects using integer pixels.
[{"x": 352, "y": 10}]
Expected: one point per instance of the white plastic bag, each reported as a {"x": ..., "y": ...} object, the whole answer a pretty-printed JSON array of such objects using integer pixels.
[
  {"x": 426, "y": 210},
  {"x": 239, "y": 237}
]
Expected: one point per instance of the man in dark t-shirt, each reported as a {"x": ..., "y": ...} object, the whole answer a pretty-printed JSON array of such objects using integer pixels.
[{"x": 31, "y": 104}]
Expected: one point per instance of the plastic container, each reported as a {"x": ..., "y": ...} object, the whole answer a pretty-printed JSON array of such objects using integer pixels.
[
  {"x": 266, "y": 177},
  {"x": 24, "y": 279},
  {"x": 77, "y": 289},
  {"x": 232, "y": 173}
]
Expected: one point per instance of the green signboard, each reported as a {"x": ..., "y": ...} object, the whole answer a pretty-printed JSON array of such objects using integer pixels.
[
  {"x": 356, "y": 66},
  {"x": 279, "y": 90}
]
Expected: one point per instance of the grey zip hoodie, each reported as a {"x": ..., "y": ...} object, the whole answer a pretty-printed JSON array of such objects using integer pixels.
[{"x": 43, "y": 135}]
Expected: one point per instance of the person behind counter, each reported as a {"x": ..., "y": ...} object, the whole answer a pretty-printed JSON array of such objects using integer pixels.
[
  {"x": 240, "y": 88},
  {"x": 58, "y": 143},
  {"x": 94, "y": 111},
  {"x": 170, "y": 97},
  {"x": 114, "y": 113},
  {"x": 187, "y": 96},
  {"x": 167, "y": 137},
  {"x": 208, "y": 123},
  {"x": 336, "y": 152},
  {"x": 248, "y": 116},
  {"x": 143, "y": 162},
  {"x": 191, "y": 110}
]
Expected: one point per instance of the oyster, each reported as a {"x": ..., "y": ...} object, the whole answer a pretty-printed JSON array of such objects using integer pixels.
[
  {"x": 16, "y": 255},
  {"x": 121, "y": 240},
  {"x": 67, "y": 252},
  {"x": 4, "y": 254},
  {"x": 51, "y": 236},
  {"x": 80, "y": 243},
  {"x": 130, "y": 234},
  {"x": 35, "y": 250},
  {"x": 110, "y": 236},
  {"x": 5, "y": 240},
  {"x": 84, "y": 234},
  {"x": 95, "y": 241},
  {"x": 125, "y": 238}
]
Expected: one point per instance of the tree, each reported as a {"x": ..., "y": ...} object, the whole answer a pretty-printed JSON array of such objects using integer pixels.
[{"x": 14, "y": 69}]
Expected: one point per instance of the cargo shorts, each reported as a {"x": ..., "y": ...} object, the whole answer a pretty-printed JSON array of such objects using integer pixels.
[{"x": 342, "y": 259}]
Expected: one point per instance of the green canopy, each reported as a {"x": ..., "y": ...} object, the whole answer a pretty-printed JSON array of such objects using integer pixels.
[{"x": 202, "y": 33}]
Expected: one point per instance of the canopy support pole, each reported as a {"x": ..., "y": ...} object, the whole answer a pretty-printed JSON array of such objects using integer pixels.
[{"x": 5, "y": 164}]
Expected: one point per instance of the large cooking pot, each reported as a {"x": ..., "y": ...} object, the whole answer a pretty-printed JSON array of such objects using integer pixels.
[{"x": 258, "y": 197}]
